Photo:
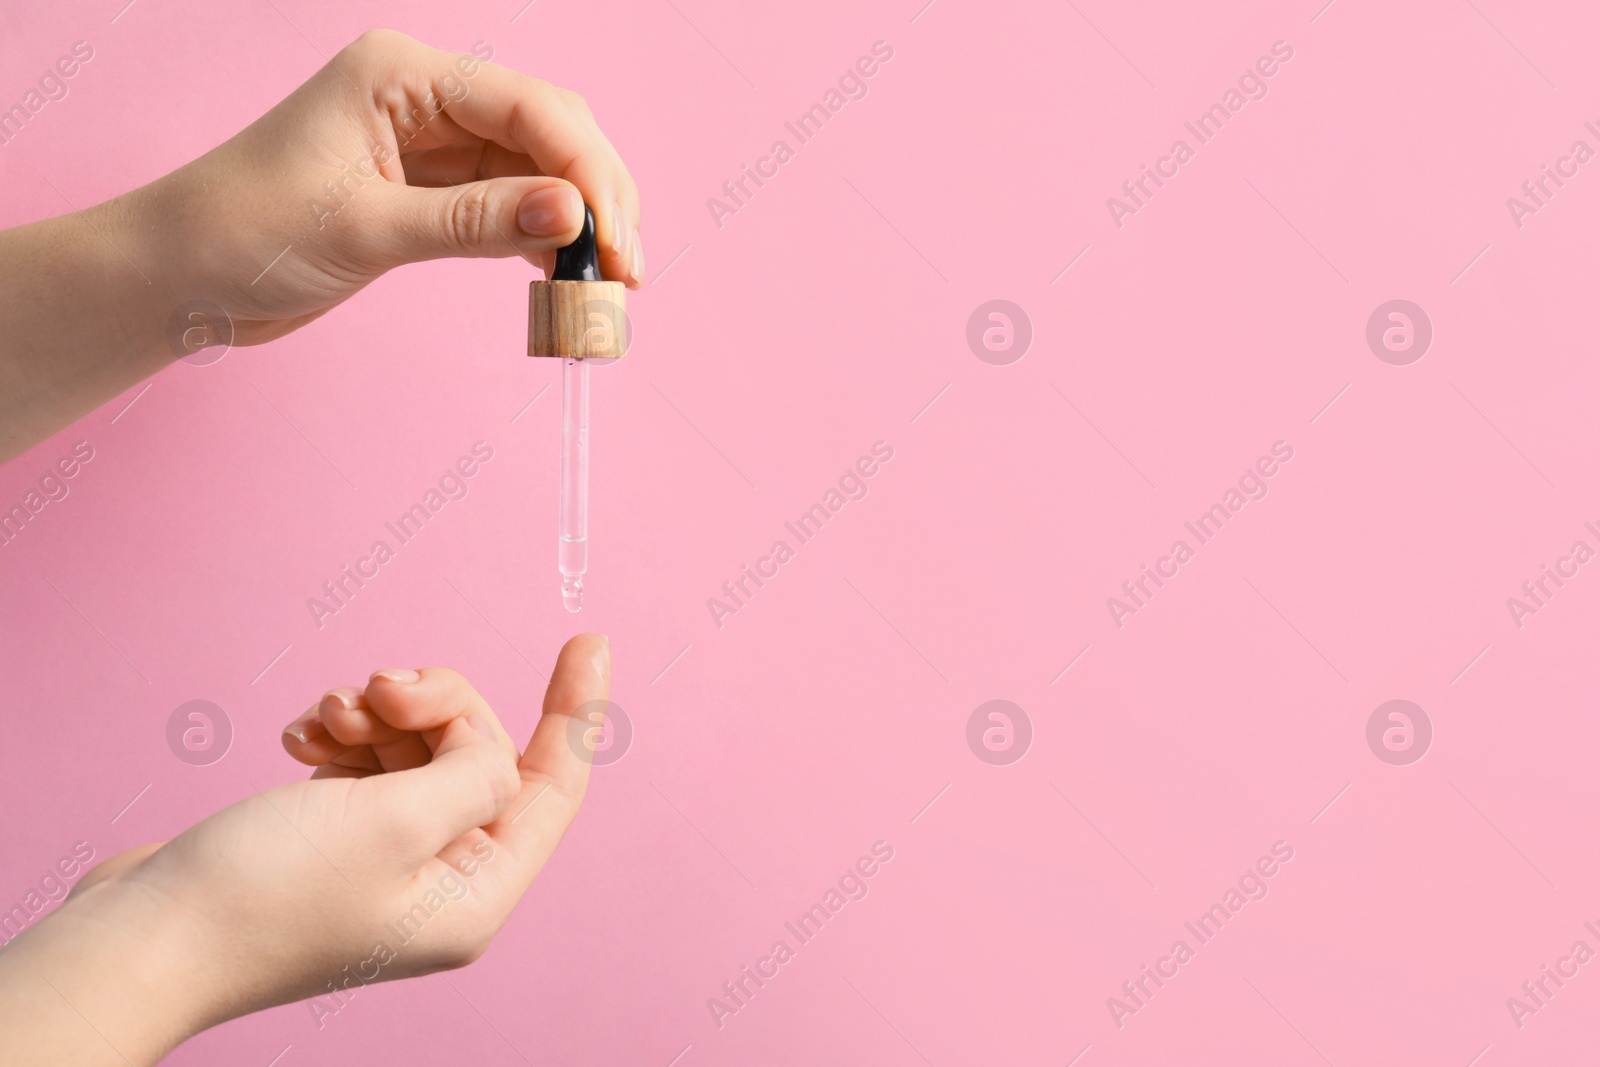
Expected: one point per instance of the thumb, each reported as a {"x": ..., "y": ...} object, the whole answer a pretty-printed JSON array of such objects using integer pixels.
[
  {"x": 496, "y": 217},
  {"x": 471, "y": 780}
]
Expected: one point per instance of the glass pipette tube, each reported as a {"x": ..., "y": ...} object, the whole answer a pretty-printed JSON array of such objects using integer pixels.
[{"x": 572, "y": 550}]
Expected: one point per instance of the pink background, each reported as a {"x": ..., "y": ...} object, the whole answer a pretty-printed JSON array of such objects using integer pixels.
[{"x": 826, "y": 715}]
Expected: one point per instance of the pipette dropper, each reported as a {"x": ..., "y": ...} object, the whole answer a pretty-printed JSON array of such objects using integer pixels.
[
  {"x": 576, "y": 317},
  {"x": 572, "y": 553}
]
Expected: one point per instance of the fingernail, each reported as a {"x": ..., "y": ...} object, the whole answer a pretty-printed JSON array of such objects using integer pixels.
[
  {"x": 617, "y": 232},
  {"x": 306, "y": 728},
  {"x": 547, "y": 212},
  {"x": 345, "y": 696},
  {"x": 637, "y": 271},
  {"x": 400, "y": 675},
  {"x": 483, "y": 726}
]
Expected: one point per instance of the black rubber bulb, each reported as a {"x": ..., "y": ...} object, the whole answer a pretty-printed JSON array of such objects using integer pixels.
[{"x": 579, "y": 261}]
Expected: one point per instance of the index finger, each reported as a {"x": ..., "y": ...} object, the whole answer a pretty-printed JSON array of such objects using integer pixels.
[
  {"x": 555, "y": 770},
  {"x": 549, "y": 124},
  {"x": 427, "y": 701}
]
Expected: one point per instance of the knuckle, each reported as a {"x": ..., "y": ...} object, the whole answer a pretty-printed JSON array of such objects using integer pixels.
[
  {"x": 451, "y": 691},
  {"x": 544, "y": 97},
  {"x": 469, "y": 219},
  {"x": 446, "y": 677},
  {"x": 576, "y": 102},
  {"x": 467, "y": 951},
  {"x": 368, "y": 47},
  {"x": 504, "y": 781},
  {"x": 380, "y": 37},
  {"x": 497, "y": 783}
]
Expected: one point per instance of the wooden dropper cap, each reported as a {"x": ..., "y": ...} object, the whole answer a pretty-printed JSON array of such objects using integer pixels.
[{"x": 576, "y": 315}]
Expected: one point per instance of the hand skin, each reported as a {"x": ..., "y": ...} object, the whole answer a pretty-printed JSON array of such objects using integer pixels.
[
  {"x": 417, "y": 790},
  {"x": 465, "y": 158}
]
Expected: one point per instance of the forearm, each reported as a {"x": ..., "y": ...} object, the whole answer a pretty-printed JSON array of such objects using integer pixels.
[
  {"x": 106, "y": 979},
  {"x": 84, "y": 306},
  {"x": 394, "y": 153}
]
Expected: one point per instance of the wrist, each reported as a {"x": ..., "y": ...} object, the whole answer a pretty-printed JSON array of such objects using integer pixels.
[
  {"x": 139, "y": 253},
  {"x": 114, "y": 975}
]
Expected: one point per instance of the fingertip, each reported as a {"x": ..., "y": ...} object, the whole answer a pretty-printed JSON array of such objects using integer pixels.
[
  {"x": 351, "y": 721},
  {"x": 616, "y": 233},
  {"x": 307, "y": 728},
  {"x": 399, "y": 698},
  {"x": 582, "y": 673},
  {"x": 552, "y": 212},
  {"x": 591, "y": 651},
  {"x": 438, "y": 695},
  {"x": 595, "y": 639},
  {"x": 616, "y": 227},
  {"x": 307, "y": 740},
  {"x": 603, "y": 657},
  {"x": 334, "y": 701}
]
